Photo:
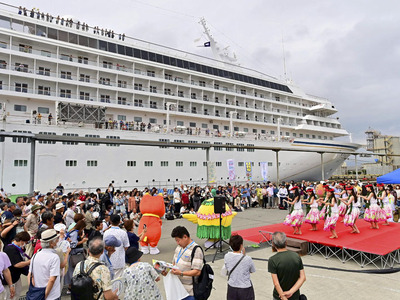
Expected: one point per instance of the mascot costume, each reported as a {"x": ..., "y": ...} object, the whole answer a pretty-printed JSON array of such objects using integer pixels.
[
  {"x": 152, "y": 209},
  {"x": 208, "y": 222}
]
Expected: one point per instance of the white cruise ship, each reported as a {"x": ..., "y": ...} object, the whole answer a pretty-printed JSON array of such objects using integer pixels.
[{"x": 117, "y": 87}]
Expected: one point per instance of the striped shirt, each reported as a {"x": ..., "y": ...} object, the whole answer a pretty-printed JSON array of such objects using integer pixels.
[{"x": 184, "y": 264}]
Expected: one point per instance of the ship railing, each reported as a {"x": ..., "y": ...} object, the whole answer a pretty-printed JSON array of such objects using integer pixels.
[{"x": 30, "y": 50}]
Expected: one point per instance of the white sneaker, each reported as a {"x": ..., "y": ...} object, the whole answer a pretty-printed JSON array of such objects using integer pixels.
[
  {"x": 154, "y": 250},
  {"x": 145, "y": 249}
]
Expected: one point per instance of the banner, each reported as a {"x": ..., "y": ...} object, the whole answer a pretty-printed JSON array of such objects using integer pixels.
[
  {"x": 264, "y": 170},
  {"x": 211, "y": 172},
  {"x": 231, "y": 169},
  {"x": 249, "y": 174}
]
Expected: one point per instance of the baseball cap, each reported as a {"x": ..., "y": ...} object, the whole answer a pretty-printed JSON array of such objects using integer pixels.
[{"x": 112, "y": 241}]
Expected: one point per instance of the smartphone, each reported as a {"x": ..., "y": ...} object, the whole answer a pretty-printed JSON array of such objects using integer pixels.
[{"x": 144, "y": 226}]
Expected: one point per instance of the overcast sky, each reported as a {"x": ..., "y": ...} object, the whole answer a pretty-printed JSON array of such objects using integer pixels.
[{"x": 346, "y": 51}]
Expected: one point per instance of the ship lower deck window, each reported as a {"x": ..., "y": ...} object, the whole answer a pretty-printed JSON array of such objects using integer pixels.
[
  {"x": 122, "y": 100},
  {"x": 18, "y": 107},
  {"x": 92, "y": 136},
  {"x": 153, "y": 104},
  {"x": 229, "y": 149},
  {"x": 105, "y": 98},
  {"x": 121, "y": 118},
  {"x": 179, "y": 123},
  {"x": 91, "y": 163},
  {"x": 192, "y": 124},
  {"x": 164, "y": 163},
  {"x": 240, "y": 149},
  {"x": 44, "y": 71},
  {"x": 152, "y": 120},
  {"x": 84, "y": 96},
  {"x": 204, "y": 164},
  {"x": 66, "y": 75},
  {"x": 68, "y": 142},
  {"x": 84, "y": 77},
  {"x": 131, "y": 163},
  {"x": 65, "y": 93},
  {"x": 148, "y": 163},
  {"x": 20, "y": 163},
  {"x": 71, "y": 163},
  {"x": 21, "y": 87},
  {"x": 43, "y": 110},
  {"x": 269, "y": 164},
  {"x": 137, "y": 119},
  {"x": 240, "y": 164},
  {"x": 113, "y": 137},
  {"x": 179, "y": 163},
  {"x": 47, "y": 133},
  {"x": 193, "y": 163},
  {"x": 218, "y": 148},
  {"x": 44, "y": 90},
  {"x": 250, "y": 150},
  {"x": 218, "y": 164},
  {"x": 138, "y": 102}
]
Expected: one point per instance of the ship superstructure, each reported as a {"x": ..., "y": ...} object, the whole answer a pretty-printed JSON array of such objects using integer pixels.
[{"x": 64, "y": 80}]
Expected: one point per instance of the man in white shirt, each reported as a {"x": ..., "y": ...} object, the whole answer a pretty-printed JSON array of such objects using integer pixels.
[
  {"x": 45, "y": 266},
  {"x": 118, "y": 258},
  {"x": 270, "y": 194},
  {"x": 283, "y": 195}
]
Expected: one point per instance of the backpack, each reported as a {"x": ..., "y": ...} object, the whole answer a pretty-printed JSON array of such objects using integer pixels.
[
  {"x": 169, "y": 216},
  {"x": 202, "y": 288},
  {"x": 82, "y": 285}
]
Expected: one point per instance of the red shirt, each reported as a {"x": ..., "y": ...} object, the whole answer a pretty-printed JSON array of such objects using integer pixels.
[{"x": 185, "y": 198}]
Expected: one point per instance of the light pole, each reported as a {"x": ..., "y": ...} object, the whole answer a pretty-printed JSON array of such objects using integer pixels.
[
  {"x": 231, "y": 113},
  {"x": 168, "y": 109}
]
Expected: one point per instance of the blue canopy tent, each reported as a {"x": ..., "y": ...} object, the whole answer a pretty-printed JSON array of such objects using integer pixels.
[{"x": 390, "y": 178}]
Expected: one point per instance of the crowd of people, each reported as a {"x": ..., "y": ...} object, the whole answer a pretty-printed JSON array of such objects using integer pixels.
[
  {"x": 67, "y": 22},
  {"x": 46, "y": 236}
]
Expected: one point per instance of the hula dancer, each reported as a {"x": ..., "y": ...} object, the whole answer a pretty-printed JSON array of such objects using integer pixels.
[
  {"x": 322, "y": 205},
  {"x": 295, "y": 217},
  {"x": 332, "y": 214},
  {"x": 354, "y": 211},
  {"x": 372, "y": 209},
  {"x": 339, "y": 195},
  {"x": 386, "y": 211},
  {"x": 313, "y": 215}
]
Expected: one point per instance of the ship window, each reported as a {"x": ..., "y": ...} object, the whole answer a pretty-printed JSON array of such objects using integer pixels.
[
  {"x": 204, "y": 164},
  {"x": 83, "y": 41},
  {"x": 193, "y": 163},
  {"x": 92, "y": 136},
  {"x": 29, "y": 28},
  {"x": 272, "y": 132},
  {"x": 65, "y": 93},
  {"x": 138, "y": 102},
  {"x": 91, "y": 163},
  {"x": 179, "y": 123},
  {"x": 62, "y": 35},
  {"x": 121, "y": 100},
  {"x": 250, "y": 150},
  {"x": 153, "y": 104},
  {"x": 215, "y": 127},
  {"x": 164, "y": 163},
  {"x": 20, "y": 163},
  {"x": 113, "y": 137},
  {"x": 105, "y": 98},
  {"x": 73, "y": 38},
  {"x": 218, "y": 148},
  {"x": 179, "y": 163},
  {"x": 218, "y": 164},
  {"x": 136, "y": 53},
  {"x": 307, "y": 136},
  {"x": 43, "y": 110},
  {"x": 112, "y": 47},
  {"x": 148, "y": 163},
  {"x": 240, "y": 164},
  {"x": 17, "y": 25},
  {"x": 84, "y": 96},
  {"x": 192, "y": 124},
  {"x": 70, "y": 134},
  {"x": 131, "y": 163},
  {"x": 245, "y": 129},
  {"x": 129, "y": 51},
  {"x": 269, "y": 164},
  {"x": 121, "y": 118},
  {"x": 52, "y": 33},
  {"x": 240, "y": 149},
  {"x": 235, "y": 128},
  {"x": 18, "y": 107},
  {"x": 5, "y": 22},
  {"x": 144, "y": 54},
  {"x": 204, "y": 125},
  {"x": 313, "y": 136},
  {"x": 263, "y": 131},
  {"x": 137, "y": 119},
  {"x": 121, "y": 49},
  {"x": 301, "y": 135},
  {"x": 294, "y": 134},
  {"x": 44, "y": 90},
  {"x": 21, "y": 87},
  {"x": 93, "y": 43},
  {"x": 71, "y": 163},
  {"x": 102, "y": 45},
  {"x": 152, "y": 120},
  {"x": 229, "y": 149}
]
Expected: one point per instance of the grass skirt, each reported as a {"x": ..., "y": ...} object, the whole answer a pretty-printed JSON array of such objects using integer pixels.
[
  {"x": 351, "y": 218},
  {"x": 330, "y": 222},
  {"x": 373, "y": 214},
  {"x": 295, "y": 219},
  {"x": 342, "y": 209},
  {"x": 313, "y": 216}
]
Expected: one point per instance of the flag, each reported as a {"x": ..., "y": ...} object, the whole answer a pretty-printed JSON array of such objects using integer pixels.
[
  {"x": 207, "y": 44},
  {"x": 249, "y": 172},
  {"x": 231, "y": 169},
  {"x": 264, "y": 170},
  {"x": 212, "y": 176}
]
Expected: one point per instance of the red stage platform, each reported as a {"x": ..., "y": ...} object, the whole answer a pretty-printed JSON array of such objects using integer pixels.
[{"x": 369, "y": 247}]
